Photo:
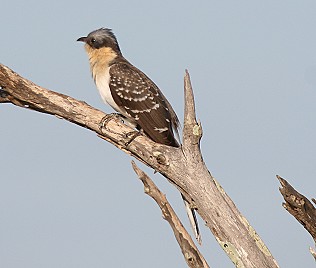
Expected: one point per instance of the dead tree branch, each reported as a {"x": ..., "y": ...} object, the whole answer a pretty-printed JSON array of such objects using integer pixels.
[
  {"x": 191, "y": 254},
  {"x": 299, "y": 207},
  {"x": 183, "y": 167}
]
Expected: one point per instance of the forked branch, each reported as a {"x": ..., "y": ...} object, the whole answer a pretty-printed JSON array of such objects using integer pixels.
[{"x": 183, "y": 167}]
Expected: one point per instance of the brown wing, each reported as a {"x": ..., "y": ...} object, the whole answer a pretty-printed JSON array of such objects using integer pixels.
[{"x": 143, "y": 102}]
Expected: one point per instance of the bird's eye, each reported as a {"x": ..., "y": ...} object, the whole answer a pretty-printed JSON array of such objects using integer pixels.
[{"x": 93, "y": 40}]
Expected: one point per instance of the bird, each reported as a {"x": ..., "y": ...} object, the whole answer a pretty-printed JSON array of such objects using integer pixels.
[
  {"x": 132, "y": 94},
  {"x": 128, "y": 90}
]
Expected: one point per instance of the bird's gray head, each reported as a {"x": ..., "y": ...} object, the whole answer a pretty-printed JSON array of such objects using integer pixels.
[{"x": 102, "y": 37}]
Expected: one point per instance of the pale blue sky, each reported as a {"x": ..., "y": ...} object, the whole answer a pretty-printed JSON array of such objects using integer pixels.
[{"x": 69, "y": 199}]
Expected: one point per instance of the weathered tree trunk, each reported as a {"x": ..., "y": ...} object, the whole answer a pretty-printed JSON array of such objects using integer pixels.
[{"x": 183, "y": 167}]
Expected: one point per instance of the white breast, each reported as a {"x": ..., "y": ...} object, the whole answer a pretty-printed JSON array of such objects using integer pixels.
[{"x": 102, "y": 83}]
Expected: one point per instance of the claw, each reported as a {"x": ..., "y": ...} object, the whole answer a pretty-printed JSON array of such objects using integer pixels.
[
  {"x": 134, "y": 134},
  {"x": 106, "y": 119},
  {"x": 130, "y": 135}
]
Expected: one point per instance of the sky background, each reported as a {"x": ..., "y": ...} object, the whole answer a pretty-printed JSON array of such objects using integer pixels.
[{"x": 70, "y": 199}]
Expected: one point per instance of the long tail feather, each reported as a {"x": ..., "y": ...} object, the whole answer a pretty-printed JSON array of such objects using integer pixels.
[{"x": 193, "y": 220}]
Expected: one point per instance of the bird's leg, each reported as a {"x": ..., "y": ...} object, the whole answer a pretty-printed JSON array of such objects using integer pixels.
[
  {"x": 132, "y": 135},
  {"x": 106, "y": 119}
]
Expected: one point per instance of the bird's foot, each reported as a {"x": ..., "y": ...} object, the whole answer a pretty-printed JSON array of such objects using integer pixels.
[
  {"x": 106, "y": 119},
  {"x": 132, "y": 135}
]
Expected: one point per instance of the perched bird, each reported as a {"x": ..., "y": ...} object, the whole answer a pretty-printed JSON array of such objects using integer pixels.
[{"x": 130, "y": 92}]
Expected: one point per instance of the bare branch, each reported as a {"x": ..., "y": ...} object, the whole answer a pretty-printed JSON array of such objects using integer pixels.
[
  {"x": 191, "y": 254},
  {"x": 299, "y": 206},
  {"x": 24, "y": 93},
  {"x": 192, "y": 131},
  {"x": 183, "y": 167}
]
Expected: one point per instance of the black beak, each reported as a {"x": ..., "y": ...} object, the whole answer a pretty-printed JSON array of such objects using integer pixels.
[{"x": 82, "y": 39}]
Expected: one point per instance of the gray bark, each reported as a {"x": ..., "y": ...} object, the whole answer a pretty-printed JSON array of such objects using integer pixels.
[{"x": 183, "y": 167}]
